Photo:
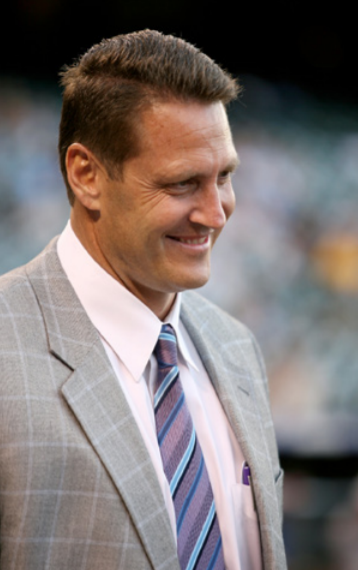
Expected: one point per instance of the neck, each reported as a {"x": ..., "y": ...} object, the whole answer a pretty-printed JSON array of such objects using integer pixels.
[{"x": 160, "y": 303}]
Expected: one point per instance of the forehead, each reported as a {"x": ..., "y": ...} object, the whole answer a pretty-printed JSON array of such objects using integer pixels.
[{"x": 189, "y": 129}]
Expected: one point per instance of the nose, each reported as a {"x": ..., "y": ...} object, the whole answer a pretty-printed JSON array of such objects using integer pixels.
[{"x": 213, "y": 207}]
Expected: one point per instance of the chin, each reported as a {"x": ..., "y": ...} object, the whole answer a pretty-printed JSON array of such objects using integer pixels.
[
  {"x": 193, "y": 283},
  {"x": 186, "y": 277}
]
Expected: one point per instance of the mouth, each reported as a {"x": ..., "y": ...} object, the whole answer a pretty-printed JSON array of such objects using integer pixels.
[{"x": 191, "y": 241}]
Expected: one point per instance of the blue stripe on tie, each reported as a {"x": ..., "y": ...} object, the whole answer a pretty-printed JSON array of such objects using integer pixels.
[
  {"x": 170, "y": 377},
  {"x": 215, "y": 555},
  {"x": 170, "y": 419},
  {"x": 190, "y": 494},
  {"x": 167, "y": 336},
  {"x": 201, "y": 539},
  {"x": 182, "y": 465}
]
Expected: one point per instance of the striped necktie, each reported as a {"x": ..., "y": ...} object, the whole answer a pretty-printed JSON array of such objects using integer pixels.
[{"x": 198, "y": 533}]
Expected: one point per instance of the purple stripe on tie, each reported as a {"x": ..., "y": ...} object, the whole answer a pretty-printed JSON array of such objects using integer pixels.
[
  {"x": 172, "y": 456},
  {"x": 166, "y": 407},
  {"x": 190, "y": 485},
  {"x": 195, "y": 515},
  {"x": 170, "y": 420},
  {"x": 211, "y": 556}
]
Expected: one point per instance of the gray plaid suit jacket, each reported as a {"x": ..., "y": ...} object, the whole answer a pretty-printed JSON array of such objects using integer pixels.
[{"x": 77, "y": 487}]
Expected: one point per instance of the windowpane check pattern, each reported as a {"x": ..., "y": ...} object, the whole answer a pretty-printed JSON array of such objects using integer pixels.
[{"x": 198, "y": 533}]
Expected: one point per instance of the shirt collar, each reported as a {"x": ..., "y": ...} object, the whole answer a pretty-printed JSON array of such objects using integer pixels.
[
  {"x": 173, "y": 318},
  {"x": 122, "y": 320}
]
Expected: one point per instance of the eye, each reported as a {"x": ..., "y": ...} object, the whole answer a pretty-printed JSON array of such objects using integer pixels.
[
  {"x": 224, "y": 176},
  {"x": 183, "y": 185}
]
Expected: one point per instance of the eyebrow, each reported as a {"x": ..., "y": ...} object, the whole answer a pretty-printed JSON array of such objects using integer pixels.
[
  {"x": 233, "y": 164},
  {"x": 165, "y": 179}
]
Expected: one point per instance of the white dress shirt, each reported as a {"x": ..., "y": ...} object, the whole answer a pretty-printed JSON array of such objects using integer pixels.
[{"x": 129, "y": 331}]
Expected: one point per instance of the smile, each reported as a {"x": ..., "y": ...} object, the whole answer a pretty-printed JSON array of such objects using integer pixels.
[{"x": 193, "y": 241}]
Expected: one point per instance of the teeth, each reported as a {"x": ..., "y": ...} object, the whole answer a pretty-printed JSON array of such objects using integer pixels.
[{"x": 195, "y": 241}]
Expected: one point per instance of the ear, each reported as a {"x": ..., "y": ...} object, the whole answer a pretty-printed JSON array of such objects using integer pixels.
[{"x": 84, "y": 173}]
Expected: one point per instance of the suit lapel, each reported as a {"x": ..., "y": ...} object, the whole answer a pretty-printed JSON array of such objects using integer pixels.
[
  {"x": 233, "y": 367},
  {"x": 95, "y": 397},
  {"x": 229, "y": 372}
]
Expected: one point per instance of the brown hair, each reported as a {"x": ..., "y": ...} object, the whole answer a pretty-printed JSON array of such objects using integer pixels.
[{"x": 115, "y": 80}]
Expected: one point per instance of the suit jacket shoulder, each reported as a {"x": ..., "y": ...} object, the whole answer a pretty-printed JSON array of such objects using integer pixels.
[{"x": 222, "y": 331}]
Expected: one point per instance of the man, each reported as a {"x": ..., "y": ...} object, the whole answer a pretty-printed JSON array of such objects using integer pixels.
[{"x": 100, "y": 348}]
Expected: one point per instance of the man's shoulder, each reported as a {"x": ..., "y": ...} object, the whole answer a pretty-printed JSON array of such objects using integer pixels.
[
  {"x": 16, "y": 289},
  {"x": 205, "y": 313},
  {"x": 215, "y": 332}
]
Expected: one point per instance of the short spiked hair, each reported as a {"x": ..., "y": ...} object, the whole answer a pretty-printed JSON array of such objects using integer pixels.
[{"x": 108, "y": 88}]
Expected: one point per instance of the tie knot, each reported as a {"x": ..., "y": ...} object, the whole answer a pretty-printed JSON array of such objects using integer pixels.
[{"x": 166, "y": 348}]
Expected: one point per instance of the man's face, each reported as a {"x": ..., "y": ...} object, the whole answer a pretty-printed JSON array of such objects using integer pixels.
[{"x": 159, "y": 221}]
